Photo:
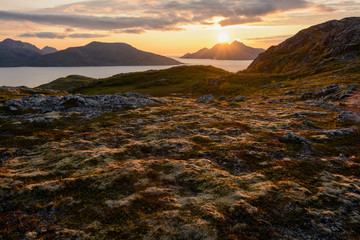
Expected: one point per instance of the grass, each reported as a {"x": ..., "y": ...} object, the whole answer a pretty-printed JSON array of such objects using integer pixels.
[
  {"x": 68, "y": 83},
  {"x": 177, "y": 80}
]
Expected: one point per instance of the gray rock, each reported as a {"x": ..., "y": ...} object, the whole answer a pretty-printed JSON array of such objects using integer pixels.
[
  {"x": 89, "y": 106},
  {"x": 307, "y": 95},
  {"x": 12, "y": 108},
  {"x": 206, "y": 99},
  {"x": 309, "y": 124},
  {"x": 238, "y": 99},
  {"x": 339, "y": 132},
  {"x": 295, "y": 138},
  {"x": 289, "y": 92},
  {"x": 349, "y": 116}
]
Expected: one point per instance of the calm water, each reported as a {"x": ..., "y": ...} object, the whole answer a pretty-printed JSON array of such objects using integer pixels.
[{"x": 35, "y": 76}]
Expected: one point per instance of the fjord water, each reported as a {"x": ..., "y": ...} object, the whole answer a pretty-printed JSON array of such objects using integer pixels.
[{"x": 35, "y": 76}]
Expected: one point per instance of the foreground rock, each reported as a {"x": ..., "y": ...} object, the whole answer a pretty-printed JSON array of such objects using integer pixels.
[
  {"x": 330, "y": 93},
  {"x": 206, "y": 99},
  {"x": 87, "y": 105}
]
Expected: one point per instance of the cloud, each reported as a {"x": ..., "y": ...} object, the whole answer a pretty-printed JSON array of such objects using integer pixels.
[
  {"x": 325, "y": 8},
  {"x": 44, "y": 35},
  {"x": 91, "y": 22},
  {"x": 239, "y": 20},
  {"x": 53, "y": 35},
  {"x": 137, "y": 16},
  {"x": 269, "y": 38}
]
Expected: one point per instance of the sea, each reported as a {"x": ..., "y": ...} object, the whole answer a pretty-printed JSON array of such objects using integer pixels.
[{"x": 35, "y": 76}]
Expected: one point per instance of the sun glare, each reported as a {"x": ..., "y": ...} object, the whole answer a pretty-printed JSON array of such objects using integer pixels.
[{"x": 223, "y": 37}]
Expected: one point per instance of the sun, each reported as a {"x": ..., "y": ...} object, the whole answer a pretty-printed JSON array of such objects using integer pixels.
[{"x": 223, "y": 37}]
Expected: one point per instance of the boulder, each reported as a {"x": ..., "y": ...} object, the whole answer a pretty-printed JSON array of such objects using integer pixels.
[
  {"x": 206, "y": 99},
  {"x": 295, "y": 138},
  {"x": 238, "y": 99},
  {"x": 349, "y": 116}
]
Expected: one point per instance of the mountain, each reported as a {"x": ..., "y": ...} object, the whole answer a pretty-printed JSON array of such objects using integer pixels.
[
  {"x": 102, "y": 54},
  {"x": 48, "y": 50},
  {"x": 331, "y": 45},
  {"x": 17, "y": 53},
  {"x": 225, "y": 51}
]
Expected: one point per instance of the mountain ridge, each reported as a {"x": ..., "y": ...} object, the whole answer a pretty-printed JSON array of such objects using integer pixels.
[
  {"x": 225, "y": 51},
  {"x": 327, "y": 45},
  {"x": 16, "y": 54}
]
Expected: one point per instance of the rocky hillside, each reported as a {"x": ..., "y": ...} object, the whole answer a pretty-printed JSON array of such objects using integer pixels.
[
  {"x": 181, "y": 80},
  {"x": 327, "y": 46},
  {"x": 281, "y": 165},
  {"x": 225, "y": 51}
]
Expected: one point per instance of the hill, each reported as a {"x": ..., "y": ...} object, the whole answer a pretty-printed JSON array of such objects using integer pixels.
[
  {"x": 225, "y": 51},
  {"x": 327, "y": 46},
  {"x": 102, "y": 54},
  {"x": 17, "y": 53},
  {"x": 68, "y": 83},
  {"x": 177, "y": 80}
]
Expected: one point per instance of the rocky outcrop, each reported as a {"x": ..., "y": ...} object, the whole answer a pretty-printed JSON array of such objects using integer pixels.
[
  {"x": 88, "y": 105},
  {"x": 327, "y": 45},
  {"x": 330, "y": 93},
  {"x": 238, "y": 99},
  {"x": 206, "y": 99}
]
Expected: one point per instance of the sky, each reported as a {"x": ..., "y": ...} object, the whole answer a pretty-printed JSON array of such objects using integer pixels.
[{"x": 167, "y": 27}]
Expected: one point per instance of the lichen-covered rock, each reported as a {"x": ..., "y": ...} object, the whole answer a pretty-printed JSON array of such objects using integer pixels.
[
  {"x": 238, "y": 99},
  {"x": 206, "y": 99},
  {"x": 91, "y": 106},
  {"x": 295, "y": 138},
  {"x": 349, "y": 116}
]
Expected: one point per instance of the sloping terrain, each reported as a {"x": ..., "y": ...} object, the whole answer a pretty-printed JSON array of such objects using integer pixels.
[
  {"x": 182, "y": 80},
  {"x": 225, "y": 51},
  {"x": 284, "y": 164},
  {"x": 68, "y": 83},
  {"x": 327, "y": 46}
]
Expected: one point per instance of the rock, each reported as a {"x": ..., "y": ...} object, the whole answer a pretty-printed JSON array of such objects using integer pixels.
[
  {"x": 295, "y": 138},
  {"x": 89, "y": 106},
  {"x": 289, "y": 92},
  {"x": 222, "y": 98},
  {"x": 349, "y": 116},
  {"x": 308, "y": 123},
  {"x": 333, "y": 92},
  {"x": 238, "y": 99},
  {"x": 339, "y": 132},
  {"x": 307, "y": 95},
  {"x": 206, "y": 99},
  {"x": 298, "y": 115}
]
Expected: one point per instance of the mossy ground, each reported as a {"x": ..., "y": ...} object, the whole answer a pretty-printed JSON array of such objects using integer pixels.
[{"x": 183, "y": 171}]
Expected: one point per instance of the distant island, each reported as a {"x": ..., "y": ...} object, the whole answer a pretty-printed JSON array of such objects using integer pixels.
[
  {"x": 16, "y": 54},
  {"x": 225, "y": 51}
]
